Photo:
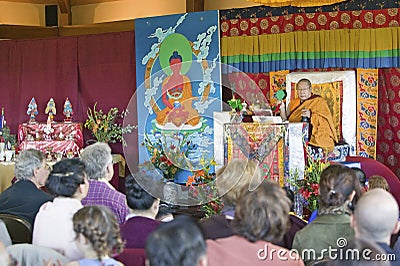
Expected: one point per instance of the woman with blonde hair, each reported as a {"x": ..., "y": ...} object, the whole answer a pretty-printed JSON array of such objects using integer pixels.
[
  {"x": 377, "y": 181},
  {"x": 230, "y": 179}
]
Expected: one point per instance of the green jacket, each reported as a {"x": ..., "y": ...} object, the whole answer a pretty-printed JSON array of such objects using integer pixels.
[{"x": 325, "y": 232}]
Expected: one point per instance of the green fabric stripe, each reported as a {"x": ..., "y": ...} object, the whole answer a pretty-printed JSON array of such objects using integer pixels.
[{"x": 311, "y": 55}]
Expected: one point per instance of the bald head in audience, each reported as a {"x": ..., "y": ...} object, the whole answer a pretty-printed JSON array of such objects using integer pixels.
[{"x": 376, "y": 216}]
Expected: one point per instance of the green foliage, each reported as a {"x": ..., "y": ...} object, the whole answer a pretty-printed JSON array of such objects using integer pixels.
[{"x": 107, "y": 127}]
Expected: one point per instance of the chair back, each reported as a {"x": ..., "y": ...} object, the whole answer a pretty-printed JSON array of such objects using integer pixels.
[
  {"x": 19, "y": 229},
  {"x": 132, "y": 256}
]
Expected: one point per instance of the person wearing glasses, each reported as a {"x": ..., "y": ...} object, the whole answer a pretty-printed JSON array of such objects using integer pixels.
[
  {"x": 25, "y": 197},
  {"x": 311, "y": 108}
]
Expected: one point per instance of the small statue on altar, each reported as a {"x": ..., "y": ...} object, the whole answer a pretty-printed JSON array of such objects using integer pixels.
[
  {"x": 2, "y": 121},
  {"x": 51, "y": 110},
  {"x": 68, "y": 112},
  {"x": 32, "y": 111}
]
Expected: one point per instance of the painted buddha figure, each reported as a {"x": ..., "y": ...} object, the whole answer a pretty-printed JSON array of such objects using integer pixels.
[{"x": 177, "y": 97}]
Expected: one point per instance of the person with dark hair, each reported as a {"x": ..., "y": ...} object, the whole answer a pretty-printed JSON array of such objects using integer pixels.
[
  {"x": 177, "y": 243},
  {"x": 53, "y": 224},
  {"x": 97, "y": 236},
  {"x": 315, "y": 110},
  {"x": 338, "y": 187},
  {"x": 362, "y": 177},
  {"x": 261, "y": 219},
  {"x": 143, "y": 210},
  {"x": 24, "y": 197},
  {"x": 296, "y": 223}
]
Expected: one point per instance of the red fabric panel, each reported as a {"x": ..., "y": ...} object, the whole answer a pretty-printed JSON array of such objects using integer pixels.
[
  {"x": 37, "y": 68},
  {"x": 86, "y": 69},
  {"x": 388, "y": 137},
  {"x": 106, "y": 65},
  {"x": 359, "y": 19}
]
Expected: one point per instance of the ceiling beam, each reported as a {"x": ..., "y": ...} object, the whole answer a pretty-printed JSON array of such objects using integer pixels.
[
  {"x": 41, "y": 2},
  {"x": 55, "y": 2},
  {"x": 194, "y": 5},
  {"x": 26, "y": 32},
  {"x": 15, "y": 32},
  {"x": 87, "y": 2},
  {"x": 64, "y": 6}
]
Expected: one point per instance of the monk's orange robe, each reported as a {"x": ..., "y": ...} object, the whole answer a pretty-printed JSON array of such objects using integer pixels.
[{"x": 323, "y": 133}]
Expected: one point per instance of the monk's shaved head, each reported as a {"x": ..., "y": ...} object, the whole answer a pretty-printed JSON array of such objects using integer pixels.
[{"x": 376, "y": 215}]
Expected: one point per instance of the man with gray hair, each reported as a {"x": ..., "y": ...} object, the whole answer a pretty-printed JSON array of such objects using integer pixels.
[
  {"x": 24, "y": 197},
  {"x": 376, "y": 218},
  {"x": 99, "y": 168}
]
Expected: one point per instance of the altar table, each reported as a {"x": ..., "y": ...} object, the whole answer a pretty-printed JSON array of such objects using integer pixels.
[{"x": 53, "y": 137}]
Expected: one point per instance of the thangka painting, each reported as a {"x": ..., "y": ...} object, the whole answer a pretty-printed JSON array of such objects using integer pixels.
[{"x": 178, "y": 90}]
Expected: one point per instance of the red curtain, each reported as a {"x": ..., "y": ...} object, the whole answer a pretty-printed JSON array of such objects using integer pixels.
[
  {"x": 388, "y": 139},
  {"x": 86, "y": 69}
]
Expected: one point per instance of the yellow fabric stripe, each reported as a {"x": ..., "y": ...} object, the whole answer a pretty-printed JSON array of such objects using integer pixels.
[
  {"x": 299, "y": 3},
  {"x": 342, "y": 40}
]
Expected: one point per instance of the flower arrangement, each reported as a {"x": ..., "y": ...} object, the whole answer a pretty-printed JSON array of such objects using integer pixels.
[
  {"x": 308, "y": 187},
  {"x": 168, "y": 154},
  {"x": 107, "y": 127},
  {"x": 202, "y": 186},
  {"x": 10, "y": 140}
]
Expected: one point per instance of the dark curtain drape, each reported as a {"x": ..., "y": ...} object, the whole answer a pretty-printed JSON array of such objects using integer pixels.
[
  {"x": 388, "y": 146},
  {"x": 86, "y": 69}
]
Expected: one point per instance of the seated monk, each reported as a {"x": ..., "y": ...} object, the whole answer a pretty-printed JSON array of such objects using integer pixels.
[
  {"x": 177, "y": 97},
  {"x": 316, "y": 110}
]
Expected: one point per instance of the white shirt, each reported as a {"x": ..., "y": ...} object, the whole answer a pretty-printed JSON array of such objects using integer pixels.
[{"x": 54, "y": 229}]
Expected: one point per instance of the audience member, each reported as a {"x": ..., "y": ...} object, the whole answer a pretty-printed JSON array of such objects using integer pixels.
[
  {"x": 177, "y": 243},
  {"x": 377, "y": 181},
  {"x": 164, "y": 213},
  {"x": 338, "y": 186},
  {"x": 32, "y": 255},
  {"x": 230, "y": 179},
  {"x": 376, "y": 218},
  {"x": 261, "y": 219},
  {"x": 24, "y": 197},
  {"x": 296, "y": 223},
  {"x": 362, "y": 177},
  {"x": 141, "y": 221},
  {"x": 359, "y": 252},
  {"x": 4, "y": 235},
  {"x": 5, "y": 258},
  {"x": 99, "y": 168},
  {"x": 69, "y": 183},
  {"x": 97, "y": 236}
]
